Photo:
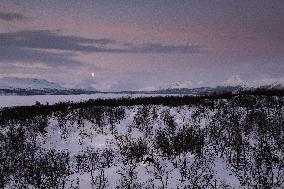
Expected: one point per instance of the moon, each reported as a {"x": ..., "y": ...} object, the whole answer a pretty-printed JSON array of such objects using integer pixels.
[{"x": 93, "y": 74}]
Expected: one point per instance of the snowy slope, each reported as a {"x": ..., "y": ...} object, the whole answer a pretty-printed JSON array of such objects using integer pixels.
[
  {"x": 32, "y": 86},
  {"x": 27, "y": 83},
  {"x": 177, "y": 85},
  {"x": 232, "y": 84},
  {"x": 272, "y": 83}
]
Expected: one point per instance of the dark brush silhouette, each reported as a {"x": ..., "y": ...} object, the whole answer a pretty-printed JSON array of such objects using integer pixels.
[{"x": 148, "y": 160}]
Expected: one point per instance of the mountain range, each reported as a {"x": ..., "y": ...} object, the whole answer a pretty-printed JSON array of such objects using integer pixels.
[
  {"x": 33, "y": 86},
  {"x": 233, "y": 85}
]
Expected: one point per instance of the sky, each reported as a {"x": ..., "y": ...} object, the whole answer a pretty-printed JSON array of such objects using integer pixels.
[{"x": 116, "y": 45}]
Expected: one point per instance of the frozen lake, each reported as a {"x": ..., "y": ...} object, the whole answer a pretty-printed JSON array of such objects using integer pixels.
[{"x": 8, "y": 101}]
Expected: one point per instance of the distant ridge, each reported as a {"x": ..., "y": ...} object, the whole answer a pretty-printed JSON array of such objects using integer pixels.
[
  {"x": 177, "y": 89},
  {"x": 233, "y": 84},
  {"x": 33, "y": 86},
  {"x": 218, "y": 89}
]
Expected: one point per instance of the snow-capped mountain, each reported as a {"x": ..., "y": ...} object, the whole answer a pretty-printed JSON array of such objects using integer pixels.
[
  {"x": 191, "y": 88},
  {"x": 269, "y": 83},
  {"x": 33, "y": 86},
  {"x": 200, "y": 90},
  {"x": 28, "y": 83},
  {"x": 178, "y": 85},
  {"x": 233, "y": 84},
  {"x": 234, "y": 81}
]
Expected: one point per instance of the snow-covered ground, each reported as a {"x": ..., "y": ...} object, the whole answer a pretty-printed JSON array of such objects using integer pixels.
[
  {"x": 199, "y": 145},
  {"x": 80, "y": 139},
  {"x": 8, "y": 101}
]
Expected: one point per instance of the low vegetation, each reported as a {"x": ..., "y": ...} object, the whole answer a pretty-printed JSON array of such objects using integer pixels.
[{"x": 217, "y": 141}]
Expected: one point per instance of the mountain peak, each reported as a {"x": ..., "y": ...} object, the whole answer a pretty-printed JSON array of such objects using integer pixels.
[
  {"x": 176, "y": 85},
  {"x": 234, "y": 81},
  {"x": 27, "y": 83},
  {"x": 34, "y": 86},
  {"x": 260, "y": 83}
]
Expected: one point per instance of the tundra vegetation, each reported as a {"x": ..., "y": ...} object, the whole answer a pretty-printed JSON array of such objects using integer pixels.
[{"x": 217, "y": 141}]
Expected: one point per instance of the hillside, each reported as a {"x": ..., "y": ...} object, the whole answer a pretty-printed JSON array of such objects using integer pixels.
[{"x": 32, "y": 86}]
